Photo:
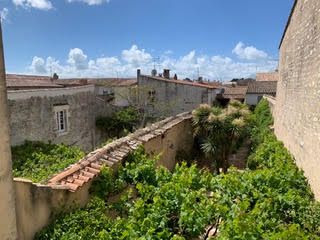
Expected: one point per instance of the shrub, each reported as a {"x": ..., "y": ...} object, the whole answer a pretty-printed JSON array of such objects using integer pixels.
[
  {"x": 38, "y": 161},
  {"x": 122, "y": 121}
]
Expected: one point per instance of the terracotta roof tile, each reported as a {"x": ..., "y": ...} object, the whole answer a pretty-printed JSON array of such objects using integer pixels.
[
  {"x": 111, "y": 155},
  {"x": 15, "y": 81},
  {"x": 237, "y": 92},
  {"x": 264, "y": 87},
  {"x": 110, "y": 82},
  {"x": 195, "y": 84},
  {"x": 271, "y": 76}
]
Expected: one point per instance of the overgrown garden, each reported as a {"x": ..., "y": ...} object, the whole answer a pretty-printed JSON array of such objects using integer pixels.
[
  {"x": 39, "y": 161},
  {"x": 271, "y": 199}
]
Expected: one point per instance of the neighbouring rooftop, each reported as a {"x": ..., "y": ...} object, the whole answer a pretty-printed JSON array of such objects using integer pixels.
[
  {"x": 203, "y": 84},
  {"x": 235, "y": 92},
  {"x": 262, "y": 87},
  {"x": 270, "y": 76},
  {"x": 20, "y": 82}
]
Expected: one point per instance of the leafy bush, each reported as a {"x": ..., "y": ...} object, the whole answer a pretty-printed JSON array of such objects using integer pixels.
[
  {"x": 122, "y": 121},
  {"x": 38, "y": 161}
]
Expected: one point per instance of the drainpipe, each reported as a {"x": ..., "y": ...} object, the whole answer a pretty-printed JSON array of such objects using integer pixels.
[{"x": 8, "y": 224}]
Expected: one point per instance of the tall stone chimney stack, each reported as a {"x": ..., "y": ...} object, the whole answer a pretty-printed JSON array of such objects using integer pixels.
[
  {"x": 166, "y": 73},
  {"x": 8, "y": 223}
]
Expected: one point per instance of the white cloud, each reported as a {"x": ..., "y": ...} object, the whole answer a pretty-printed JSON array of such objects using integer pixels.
[
  {"x": 78, "y": 59},
  {"x": 136, "y": 57},
  {"x": 38, "y": 4},
  {"x": 4, "y": 14},
  {"x": 248, "y": 52},
  {"x": 216, "y": 67},
  {"x": 38, "y": 65},
  {"x": 91, "y": 2}
]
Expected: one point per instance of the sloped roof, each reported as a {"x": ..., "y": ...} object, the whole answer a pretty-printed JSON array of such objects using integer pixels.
[
  {"x": 237, "y": 92},
  {"x": 271, "y": 76},
  {"x": 29, "y": 81},
  {"x": 262, "y": 87},
  {"x": 112, "y": 82},
  {"x": 184, "y": 82}
]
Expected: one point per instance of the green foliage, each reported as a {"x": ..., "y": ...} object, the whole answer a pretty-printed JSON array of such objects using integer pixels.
[
  {"x": 272, "y": 200},
  {"x": 122, "y": 121},
  {"x": 103, "y": 184},
  {"x": 38, "y": 161},
  {"x": 220, "y": 131}
]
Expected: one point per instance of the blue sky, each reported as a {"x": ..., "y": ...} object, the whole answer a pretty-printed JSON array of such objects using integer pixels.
[{"x": 83, "y": 38}]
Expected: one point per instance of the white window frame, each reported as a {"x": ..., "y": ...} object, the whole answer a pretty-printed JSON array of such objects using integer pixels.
[{"x": 61, "y": 119}]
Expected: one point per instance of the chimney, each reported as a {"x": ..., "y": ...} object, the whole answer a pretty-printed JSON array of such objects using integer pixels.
[
  {"x": 166, "y": 73},
  {"x": 138, "y": 73}
]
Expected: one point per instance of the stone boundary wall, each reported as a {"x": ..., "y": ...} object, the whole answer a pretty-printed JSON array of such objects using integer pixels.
[
  {"x": 272, "y": 103},
  {"x": 297, "y": 111},
  {"x": 37, "y": 204}
]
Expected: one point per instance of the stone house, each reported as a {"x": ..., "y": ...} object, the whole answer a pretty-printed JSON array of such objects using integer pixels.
[
  {"x": 257, "y": 89},
  {"x": 41, "y": 110},
  {"x": 297, "y": 111},
  {"x": 166, "y": 96},
  {"x": 116, "y": 91}
]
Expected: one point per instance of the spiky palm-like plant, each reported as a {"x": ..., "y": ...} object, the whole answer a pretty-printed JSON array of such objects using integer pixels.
[{"x": 219, "y": 130}]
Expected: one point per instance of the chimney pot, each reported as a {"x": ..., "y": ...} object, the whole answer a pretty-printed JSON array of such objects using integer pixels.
[{"x": 166, "y": 73}]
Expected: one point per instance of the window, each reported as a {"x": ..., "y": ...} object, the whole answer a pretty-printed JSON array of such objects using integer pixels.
[
  {"x": 61, "y": 118},
  {"x": 152, "y": 95}
]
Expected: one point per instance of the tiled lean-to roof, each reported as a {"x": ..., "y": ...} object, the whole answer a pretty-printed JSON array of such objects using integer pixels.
[
  {"x": 111, "y": 155},
  {"x": 262, "y": 87},
  {"x": 237, "y": 92}
]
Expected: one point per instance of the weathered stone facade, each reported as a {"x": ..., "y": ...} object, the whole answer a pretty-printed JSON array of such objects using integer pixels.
[
  {"x": 169, "y": 97},
  {"x": 32, "y": 116},
  {"x": 297, "y": 111}
]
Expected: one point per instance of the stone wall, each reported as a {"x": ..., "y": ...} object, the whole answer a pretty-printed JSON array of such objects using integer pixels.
[
  {"x": 37, "y": 204},
  {"x": 32, "y": 116},
  {"x": 297, "y": 112},
  {"x": 170, "y": 98}
]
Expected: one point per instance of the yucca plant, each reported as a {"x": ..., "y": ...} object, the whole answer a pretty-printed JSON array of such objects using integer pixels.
[{"x": 219, "y": 130}]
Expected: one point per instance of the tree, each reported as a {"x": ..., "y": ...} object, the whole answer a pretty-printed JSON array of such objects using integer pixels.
[{"x": 219, "y": 130}]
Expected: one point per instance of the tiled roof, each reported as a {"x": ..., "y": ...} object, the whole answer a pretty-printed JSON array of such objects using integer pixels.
[
  {"x": 264, "y": 87},
  {"x": 112, "y": 82},
  {"x": 271, "y": 76},
  {"x": 196, "y": 84},
  {"x": 111, "y": 155},
  {"x": 15, "y": 81},
  {"x": 237, "y": 92}
]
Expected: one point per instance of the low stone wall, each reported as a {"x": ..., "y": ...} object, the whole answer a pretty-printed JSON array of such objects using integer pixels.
[
  {"x": 36, "y": 204},
  {"x": 272, "y": 103}
]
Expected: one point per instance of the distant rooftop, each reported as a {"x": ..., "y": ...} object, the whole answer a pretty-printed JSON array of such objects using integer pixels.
[
  {"x": 210, "y": 85},
  {"x": 15, "y": 81},
  {"x": 112, "y": 82},
  {"x": 262, "y": 87},
  {"x": 20, "y": 82},
  {"x": 236, "y": 92},
  {"x": 270, "y": 76}
]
